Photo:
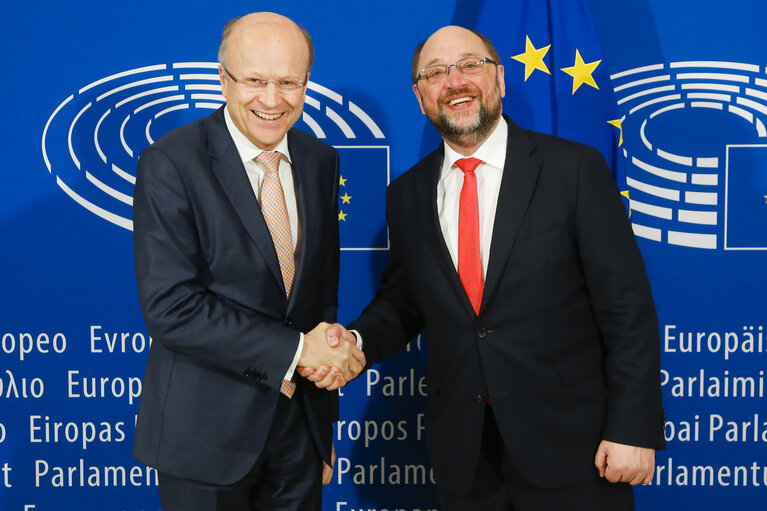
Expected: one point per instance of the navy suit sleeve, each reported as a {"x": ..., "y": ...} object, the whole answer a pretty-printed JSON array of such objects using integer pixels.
[
  {"x": 623, "y": 308},
  {"x": 179, "y": 309}
]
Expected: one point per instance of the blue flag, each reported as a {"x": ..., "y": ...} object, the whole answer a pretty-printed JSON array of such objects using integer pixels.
[
  {"x": 556, "y": 80},
  {"x": 361, "y": 201}
]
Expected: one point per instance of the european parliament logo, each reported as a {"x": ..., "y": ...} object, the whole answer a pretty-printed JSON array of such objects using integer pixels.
[
  {"x": 92, "y": 140},
  {"x": 696, "y": 139}
]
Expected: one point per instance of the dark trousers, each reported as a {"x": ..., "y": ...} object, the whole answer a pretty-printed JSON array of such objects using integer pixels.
[
  {"x": 500, "y": 487},
  {"x": 286, "y": 477}
]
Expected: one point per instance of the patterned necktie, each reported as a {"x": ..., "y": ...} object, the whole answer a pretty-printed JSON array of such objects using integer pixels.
[
  {"x": 276, "y": 216},
  {"x": 469, "y": 256}
]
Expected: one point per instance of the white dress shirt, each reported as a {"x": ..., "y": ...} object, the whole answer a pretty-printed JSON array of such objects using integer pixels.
[
  {"x": 248, "y": 151},
  {"x": 492, "y": 152}
]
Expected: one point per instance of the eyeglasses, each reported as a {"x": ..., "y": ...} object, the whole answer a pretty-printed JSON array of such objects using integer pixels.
[
  {"x": 258, "y": 84},
  {"x": 434, "y": 75}
]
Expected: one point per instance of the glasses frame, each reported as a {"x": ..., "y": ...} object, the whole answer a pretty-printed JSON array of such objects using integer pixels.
[
  {"x": 249, "y": 85},
  {"x": 483, "y": 61}
]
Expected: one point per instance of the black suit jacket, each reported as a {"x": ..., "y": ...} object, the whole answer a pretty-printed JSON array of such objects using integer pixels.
[
  {"x": 212, "y": 296},
  {"x": 566, "y": 343}
]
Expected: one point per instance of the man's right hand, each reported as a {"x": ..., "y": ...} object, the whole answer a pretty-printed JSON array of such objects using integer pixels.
[{"x": 328, "y": 361}]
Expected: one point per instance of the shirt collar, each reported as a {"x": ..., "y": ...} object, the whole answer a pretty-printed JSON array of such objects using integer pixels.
[
  {"x": 492, "y": 151},
  {"x": 246, "y": 149}
]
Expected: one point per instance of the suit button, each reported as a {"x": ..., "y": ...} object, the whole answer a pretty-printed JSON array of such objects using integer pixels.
[
  {"x": 481, "y": 333},
  {"x": 288, "y": 322},
  {"x": 479, "y": 399}
]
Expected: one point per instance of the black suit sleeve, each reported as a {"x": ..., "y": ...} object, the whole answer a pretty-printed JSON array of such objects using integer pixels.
[
  {"x": 179, "y": 309},
  {"x": 393, "y": 317},
  {"x": 330, "y": 230},
  {"x": 623, "y": 308}
]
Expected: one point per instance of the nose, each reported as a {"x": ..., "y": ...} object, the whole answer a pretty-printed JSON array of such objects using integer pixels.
[
  {"x": 454, "y": 76},
  {"x": 270, "y": 96}
]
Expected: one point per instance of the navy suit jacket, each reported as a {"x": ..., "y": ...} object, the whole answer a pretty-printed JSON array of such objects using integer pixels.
[
  {"x": 566, "y": 343},
  {"x": 224, "y": 331}
]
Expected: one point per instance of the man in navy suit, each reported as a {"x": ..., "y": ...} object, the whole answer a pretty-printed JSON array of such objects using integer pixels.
[
  {"x": 513, "y": 251},
  {"x": 237, "y": 259}
]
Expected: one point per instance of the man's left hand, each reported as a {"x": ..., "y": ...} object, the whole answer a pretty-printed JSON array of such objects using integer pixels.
[{"x": 625, "y": 463}]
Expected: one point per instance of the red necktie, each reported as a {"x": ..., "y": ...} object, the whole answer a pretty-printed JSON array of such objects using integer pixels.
[{"x": 469, "y": 255}]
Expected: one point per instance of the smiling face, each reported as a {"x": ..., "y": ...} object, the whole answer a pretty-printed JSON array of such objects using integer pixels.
[
  {"x": 270, "y": 47},
  {"x": 464, "y": 109}
]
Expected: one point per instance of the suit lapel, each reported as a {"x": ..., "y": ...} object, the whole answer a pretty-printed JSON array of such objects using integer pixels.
[
  {"x": 520, "y": 173},
  {"x": 427, "y": 201},
  {"x": 230, "y": 173},
  {"x": 305, "y": 176}
]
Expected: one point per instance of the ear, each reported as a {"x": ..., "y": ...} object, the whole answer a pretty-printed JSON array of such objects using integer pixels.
[
  {"x": 222, "y": 77},
  {"x": 418, "y": 97},
  {"x": 501, "y": 80},
  {"x": 303, "y": 92}
]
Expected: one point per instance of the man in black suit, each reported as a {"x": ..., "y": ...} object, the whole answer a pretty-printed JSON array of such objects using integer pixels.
[
  {"x": 513, "y": 251},
  {"x": 237, "y": 254}
]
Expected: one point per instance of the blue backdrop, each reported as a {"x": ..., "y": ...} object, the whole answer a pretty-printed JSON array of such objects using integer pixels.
[{"x": 90, "y": 84}]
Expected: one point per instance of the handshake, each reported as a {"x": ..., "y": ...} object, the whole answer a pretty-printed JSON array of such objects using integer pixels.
[{"x": 330, "y": 356}]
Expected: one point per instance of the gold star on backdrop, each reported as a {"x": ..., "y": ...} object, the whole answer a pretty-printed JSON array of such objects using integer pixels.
[
  {"x": 532, "y": 58},
  {"x": 625, "y": 193},
  {"x": 345, "y": 199},
  {"x": 581, "y": 72},
  {"x": 618, "y": 123}
]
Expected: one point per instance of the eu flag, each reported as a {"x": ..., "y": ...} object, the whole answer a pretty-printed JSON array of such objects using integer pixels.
[
  {"x": 556, "y": 80},
  {"x": 361, "y": 201}
]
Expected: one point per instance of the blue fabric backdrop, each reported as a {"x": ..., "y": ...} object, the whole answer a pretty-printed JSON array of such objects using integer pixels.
[{"x": 89, "y": 84}]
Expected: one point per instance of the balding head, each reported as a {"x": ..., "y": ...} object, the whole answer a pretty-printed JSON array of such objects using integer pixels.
[
  {"x": 268, "y": 49},
  {"x": 448, "y": 33},
  {"x": 464, "y": 105},
  {"x": 265, "y": 21}
]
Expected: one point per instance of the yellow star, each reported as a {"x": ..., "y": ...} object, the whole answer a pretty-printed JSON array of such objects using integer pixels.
[
  {"x": 342, "y": 216},
  {"x": 625, "y": 193},
  {"x": 346, "y": 198},
  {"x": 581, "y": 72},
  {"x": 765, "y": 198},
  {"x": 618, "y": 123},
  {"x": 533, "y": 58},
  {"x": 342, "y": 181}
]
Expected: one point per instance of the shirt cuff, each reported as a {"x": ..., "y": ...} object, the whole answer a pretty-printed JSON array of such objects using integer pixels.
[
  {"x": 359, "y": 338},
  {"x": 294, "y": 364}
]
